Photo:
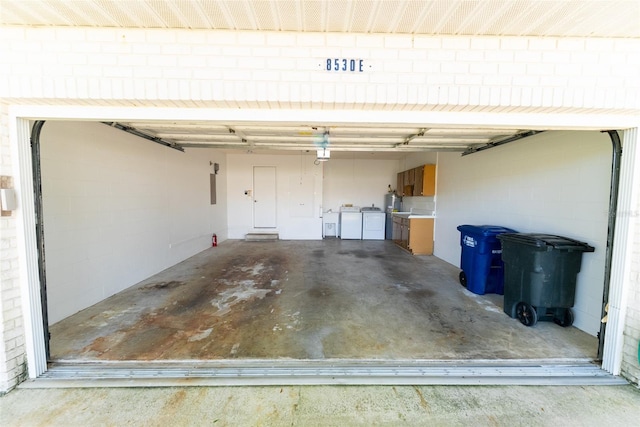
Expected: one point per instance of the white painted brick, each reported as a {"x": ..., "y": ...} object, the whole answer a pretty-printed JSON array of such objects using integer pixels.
[
  {"x": 499, "y": 56},
  {"x": 426, "y": 42},
  {"x": 512, "y": 68},
  {"x": 272, "y": 52},
  {"x": 540, "y": 69},
  {"x": 454, "y": 68},
  {"x": 553, "y": 80},
  {"x": 398, "y": 42},
  {"x": 440, "y": 79},
  {"x": 223, "y": 62},
  {"x": 266, "y": 75},
  {"x": 394, "y": 67},
  {"x": 456, "y": 43},
  {"x": 412, "y": 54},
  {"x": 356, "y": 53},
  {"x": 468, "y": 79},
  {"x": 384, "y": 54},
  {"x": 131, "y": 35},
  {"x": 384, "y": 78},
  {"x": 132, "y": 60},
  {"x": 74, "y": 35},
  {"x": 281, "y": 39},
  {"x": 279, "y": 63},
  {"x": 236, "y": 75},
  {"x": 250, "y": 63},
  {"x": 103, "y": 59},
  {"x": 568, "y": 69},
  {"x": 527, "y": 56},
  {"x": 192, "y": 37},
  {"x": 470, "y": 55},
  {"x": 119, "y": 48},
  {"x": 236, "y": 51},
  {"x": 221, "y": 38},
  {"x": 101, "y": 35},
  {"x": 485, "y": 43},
  {"x": 149, "y": 72},
  {"x": 542, "y": 43},
  {"x": 310, "y": 39},
  {"x": 294, "y": 76},
  {"x": 175, "y": 49},
  {"x": 425, "y": 67},
  {"x": 147, "y": 49},
  {"x": 412, "y": 78},
  {"x": 483, "y": 68},
  {"x": 514, "y": 43},
  {"x": 162, "y": 61},
  {"x": 160, "y": 37},
  {"x": 207, "y": 50},
  {"x": 192, "y": 61},
  {"x": 571, "y": 44},
  {"x": 366, "y": 41},
  {"x": 441, "y": 55}
]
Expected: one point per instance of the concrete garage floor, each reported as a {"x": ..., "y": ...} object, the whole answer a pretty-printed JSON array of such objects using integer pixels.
[
  {"x": 307, "y": 300},
  {"x": 324, "y": 406}
]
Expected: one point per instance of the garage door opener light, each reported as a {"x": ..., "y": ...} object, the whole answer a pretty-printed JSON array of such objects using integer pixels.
[{"x": 323, "y": 155}]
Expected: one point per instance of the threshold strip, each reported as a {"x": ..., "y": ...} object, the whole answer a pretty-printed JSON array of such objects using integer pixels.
[{"x": 275, "y": 373}]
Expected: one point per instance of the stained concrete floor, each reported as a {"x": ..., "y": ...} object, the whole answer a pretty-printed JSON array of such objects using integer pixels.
[
  {"x": 324, "y": 406},
  {"x": 307, "y": 300}
]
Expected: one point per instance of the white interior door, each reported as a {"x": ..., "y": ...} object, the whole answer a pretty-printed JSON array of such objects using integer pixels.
[{"x": 264, "y": 197}]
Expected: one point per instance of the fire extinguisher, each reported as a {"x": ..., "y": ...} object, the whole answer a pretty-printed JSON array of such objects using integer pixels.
[{"x": 214, "y": 240}]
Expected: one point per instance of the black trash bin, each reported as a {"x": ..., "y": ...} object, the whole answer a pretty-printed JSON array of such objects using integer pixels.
[{"x": 540, "y": 272}]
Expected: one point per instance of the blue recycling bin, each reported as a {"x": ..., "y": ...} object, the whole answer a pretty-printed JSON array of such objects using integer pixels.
[{"x": 481, "y": 258}]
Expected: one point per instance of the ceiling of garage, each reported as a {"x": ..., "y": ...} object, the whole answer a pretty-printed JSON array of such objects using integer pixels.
[
  {"x": 566, "y": 18},
  {"x": 342, "y": 138}
]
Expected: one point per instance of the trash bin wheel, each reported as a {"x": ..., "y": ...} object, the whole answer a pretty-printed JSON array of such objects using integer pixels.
[
  {"x": 566, "y": 319},
  {"x": 463, "y": 279},
  {"x": 526, "y": 314}
]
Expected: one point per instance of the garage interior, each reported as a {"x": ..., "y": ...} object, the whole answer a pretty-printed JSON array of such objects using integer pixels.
[{"x": 133, "y": 278}]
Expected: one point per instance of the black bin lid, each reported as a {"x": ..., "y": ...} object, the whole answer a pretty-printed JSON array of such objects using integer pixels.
[{"x": 546, "y": 241}]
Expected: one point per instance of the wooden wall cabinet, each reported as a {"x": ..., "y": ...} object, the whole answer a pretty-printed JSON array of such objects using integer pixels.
[
  {"x": 420, "y": 181},
  {"x": 400, "y": 184},
  {"x": 425, "y": 181}
]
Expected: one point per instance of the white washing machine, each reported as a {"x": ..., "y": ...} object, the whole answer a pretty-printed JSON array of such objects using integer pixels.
[
  {"x": 350, "y": 222},
  {"x": 373, "y": 223}
]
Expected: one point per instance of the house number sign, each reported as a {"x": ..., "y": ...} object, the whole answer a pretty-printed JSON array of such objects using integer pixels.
[{"x": 344, "y": 65}]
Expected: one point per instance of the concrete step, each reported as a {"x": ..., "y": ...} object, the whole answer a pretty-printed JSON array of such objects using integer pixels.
[
  {"x": 260, "y": 237},
  {"x": 299, "y": 372}
]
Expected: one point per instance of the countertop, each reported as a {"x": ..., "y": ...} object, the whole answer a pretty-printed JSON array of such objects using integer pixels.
[{"x": 412, "y": 215}]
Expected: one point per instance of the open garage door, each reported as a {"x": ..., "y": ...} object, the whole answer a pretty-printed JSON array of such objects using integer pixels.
[{"x": 371, "y": 290}]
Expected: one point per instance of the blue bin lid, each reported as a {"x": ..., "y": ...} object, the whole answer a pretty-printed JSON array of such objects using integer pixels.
[
  {"x": 546, "y": 241},
  {"x": 485, "y": 230}
]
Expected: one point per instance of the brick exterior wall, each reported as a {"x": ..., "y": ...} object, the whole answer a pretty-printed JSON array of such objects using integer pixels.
[
  {"x": 12, "y": 351},
  {"x": 182, "y": 68},
  {"x": 630, "y": 363}
]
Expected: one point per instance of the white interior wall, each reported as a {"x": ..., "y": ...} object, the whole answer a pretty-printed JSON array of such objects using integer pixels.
[
  {"x": 118, "y": 209},
  {"x": 555, "y": 182},
  {"x": 413, "y": 160},
  {"x": 298, "y": 194},
  {"x": 361, "y": 182}
]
